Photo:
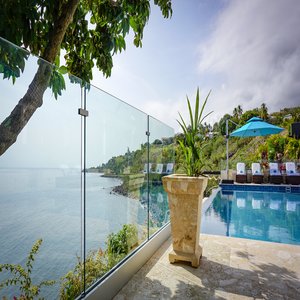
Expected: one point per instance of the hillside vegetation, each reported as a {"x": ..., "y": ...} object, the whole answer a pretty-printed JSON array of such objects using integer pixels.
[
  {"x": 213, "y": 144},
  {"x": 249, "y": 149}
]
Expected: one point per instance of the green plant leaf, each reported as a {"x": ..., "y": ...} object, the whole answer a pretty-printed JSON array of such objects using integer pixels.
[
  {"x": 63, "y": 70},
  {"x": 193, "y": 144}
]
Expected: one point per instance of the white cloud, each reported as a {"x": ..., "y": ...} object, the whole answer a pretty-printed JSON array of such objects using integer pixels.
[
  {"x": 252, "y": 55},
  {"x": 255, "y": 53},
  {"x": 134, "y": 86},
  {"x": 166, "y": 110}
]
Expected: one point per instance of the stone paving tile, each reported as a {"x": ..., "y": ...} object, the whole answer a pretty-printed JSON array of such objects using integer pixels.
[{"x": 230, "y": 268}]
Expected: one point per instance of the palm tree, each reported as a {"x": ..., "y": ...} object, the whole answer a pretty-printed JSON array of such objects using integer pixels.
[
  {"x": 237, "y": 112},
  {"x": 240, "y": 111},
  {"x": 264, "y": 111}
]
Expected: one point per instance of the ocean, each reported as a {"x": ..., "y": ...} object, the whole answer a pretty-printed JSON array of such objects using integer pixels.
[{"x": 46, "y": 203}]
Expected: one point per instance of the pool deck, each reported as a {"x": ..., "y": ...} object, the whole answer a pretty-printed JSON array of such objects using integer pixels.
[{"x": 231, "y": 268}]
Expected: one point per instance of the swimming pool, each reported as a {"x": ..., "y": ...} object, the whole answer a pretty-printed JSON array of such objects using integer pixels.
[{"x": 260, "y": 215}]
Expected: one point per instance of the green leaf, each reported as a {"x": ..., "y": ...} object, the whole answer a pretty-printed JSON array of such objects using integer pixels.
[
  {"x": 197, "y": 110},
  {"x": 192, "y": 146},
  {"x": 125, "y": 26},
  {"x": 182, "y": 124},
  {"x": 57, "y": 60},
  {"x": 63, "y": 70},
  {"x": 133, "y": 24},
  {"x": 190, "y": 112},
  {"x": 203, "y": 106}
]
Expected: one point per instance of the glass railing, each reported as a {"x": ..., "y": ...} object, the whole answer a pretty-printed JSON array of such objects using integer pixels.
[
  {"x": 161, "y": 155},
  {"x": 88, "y": 182}
]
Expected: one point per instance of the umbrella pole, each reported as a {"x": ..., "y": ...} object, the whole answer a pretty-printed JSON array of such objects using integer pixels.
[{"x": 227, "y": 150}]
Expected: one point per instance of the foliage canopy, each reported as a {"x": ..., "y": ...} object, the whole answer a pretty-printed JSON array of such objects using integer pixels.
[
  {"x": 96, "y": 31},
  {"x": 90, "y": 32}
]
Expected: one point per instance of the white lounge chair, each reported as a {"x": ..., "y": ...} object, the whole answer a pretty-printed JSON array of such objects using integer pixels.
[
  {"x": 159, "y": 168},
  {"x": 146, "y": 168},
  {"x": 292, "y": 177},
  {"x": 170, "y": 167},
  {"x": 257, "y": 176},
  {"x": 275, "y": 174},
  {"x": 241, "y": 176}
]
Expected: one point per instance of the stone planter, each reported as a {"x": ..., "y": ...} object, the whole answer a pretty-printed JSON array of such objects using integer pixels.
[{"x": 185, "y": 196}]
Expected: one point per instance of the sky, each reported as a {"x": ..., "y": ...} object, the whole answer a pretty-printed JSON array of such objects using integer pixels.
[{"x": 246, "y": 52}]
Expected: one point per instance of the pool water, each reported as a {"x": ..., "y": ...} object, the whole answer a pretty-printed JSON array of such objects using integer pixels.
[{"x": 266, "y": 216}]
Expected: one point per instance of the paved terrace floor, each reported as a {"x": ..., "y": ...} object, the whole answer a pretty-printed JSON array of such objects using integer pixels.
[{"x": 231, "y": 268}]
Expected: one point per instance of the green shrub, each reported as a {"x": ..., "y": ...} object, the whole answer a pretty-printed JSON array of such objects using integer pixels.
[
  {"x": 123, "y": 241},
  {"x": 72, "y": 282},
  {"x": 99, "y": 262},
  {"x": 22, "y": 276}
]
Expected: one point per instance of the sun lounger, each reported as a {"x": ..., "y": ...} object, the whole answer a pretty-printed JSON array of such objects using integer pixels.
[
  {"x": 159, "y": 168},
  {"x": 241, "y": 176},
  {"x": 257, "y": 176},
  {"x": 170, "y": 167},
  {"x": 146, "y": 168},
  {"x": 275, "y": 175},
  {"x": 292, "y": 177}
]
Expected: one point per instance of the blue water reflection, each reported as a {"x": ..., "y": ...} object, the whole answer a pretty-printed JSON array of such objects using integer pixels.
[{"x": 263, "y": 216}]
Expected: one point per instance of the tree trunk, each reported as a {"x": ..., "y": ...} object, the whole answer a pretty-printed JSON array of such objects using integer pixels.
[
  {"x": 13, "y": 125},
  {"x": 33, "y": 99}
]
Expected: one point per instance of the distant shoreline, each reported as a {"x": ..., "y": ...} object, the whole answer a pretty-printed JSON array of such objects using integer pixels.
[{"x": 112, "y": 176}]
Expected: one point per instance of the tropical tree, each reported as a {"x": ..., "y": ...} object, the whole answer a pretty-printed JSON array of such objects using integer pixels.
[
  {"x": 90, "y": 31},
  {"x": 292, "y": 149},
  {"x": 216, "y": 127},
  {"x": 237, "y": 112},
  {"x": 296, "y": 116},
  {"x": 264, "y": 111},
  {"x": 222, "y": 124},
  {"x": 248, "y": 115}
]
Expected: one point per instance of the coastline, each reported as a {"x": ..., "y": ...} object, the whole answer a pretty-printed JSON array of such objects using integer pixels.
[{"x": 130, "y": 186}]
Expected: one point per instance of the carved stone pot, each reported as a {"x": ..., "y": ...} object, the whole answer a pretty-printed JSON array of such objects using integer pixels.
[{"x": 185, "y": 195}]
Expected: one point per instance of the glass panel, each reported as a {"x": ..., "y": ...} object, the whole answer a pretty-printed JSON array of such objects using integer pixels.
[
  {"x": 116, "y": 209},
  {"x": 161, "y": 157},
  {"x": 40, "y": 175},
  {"x": 45, "y": 192}
]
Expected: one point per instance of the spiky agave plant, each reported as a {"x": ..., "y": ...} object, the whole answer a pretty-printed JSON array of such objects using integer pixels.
[{"x": 193, "y": 142}]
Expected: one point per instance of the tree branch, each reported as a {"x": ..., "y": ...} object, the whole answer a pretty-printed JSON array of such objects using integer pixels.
[{"x": 11, "y": 127}]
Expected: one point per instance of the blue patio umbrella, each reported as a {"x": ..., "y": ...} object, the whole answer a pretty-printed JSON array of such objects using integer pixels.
[{"x": 256, "y": 127}]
